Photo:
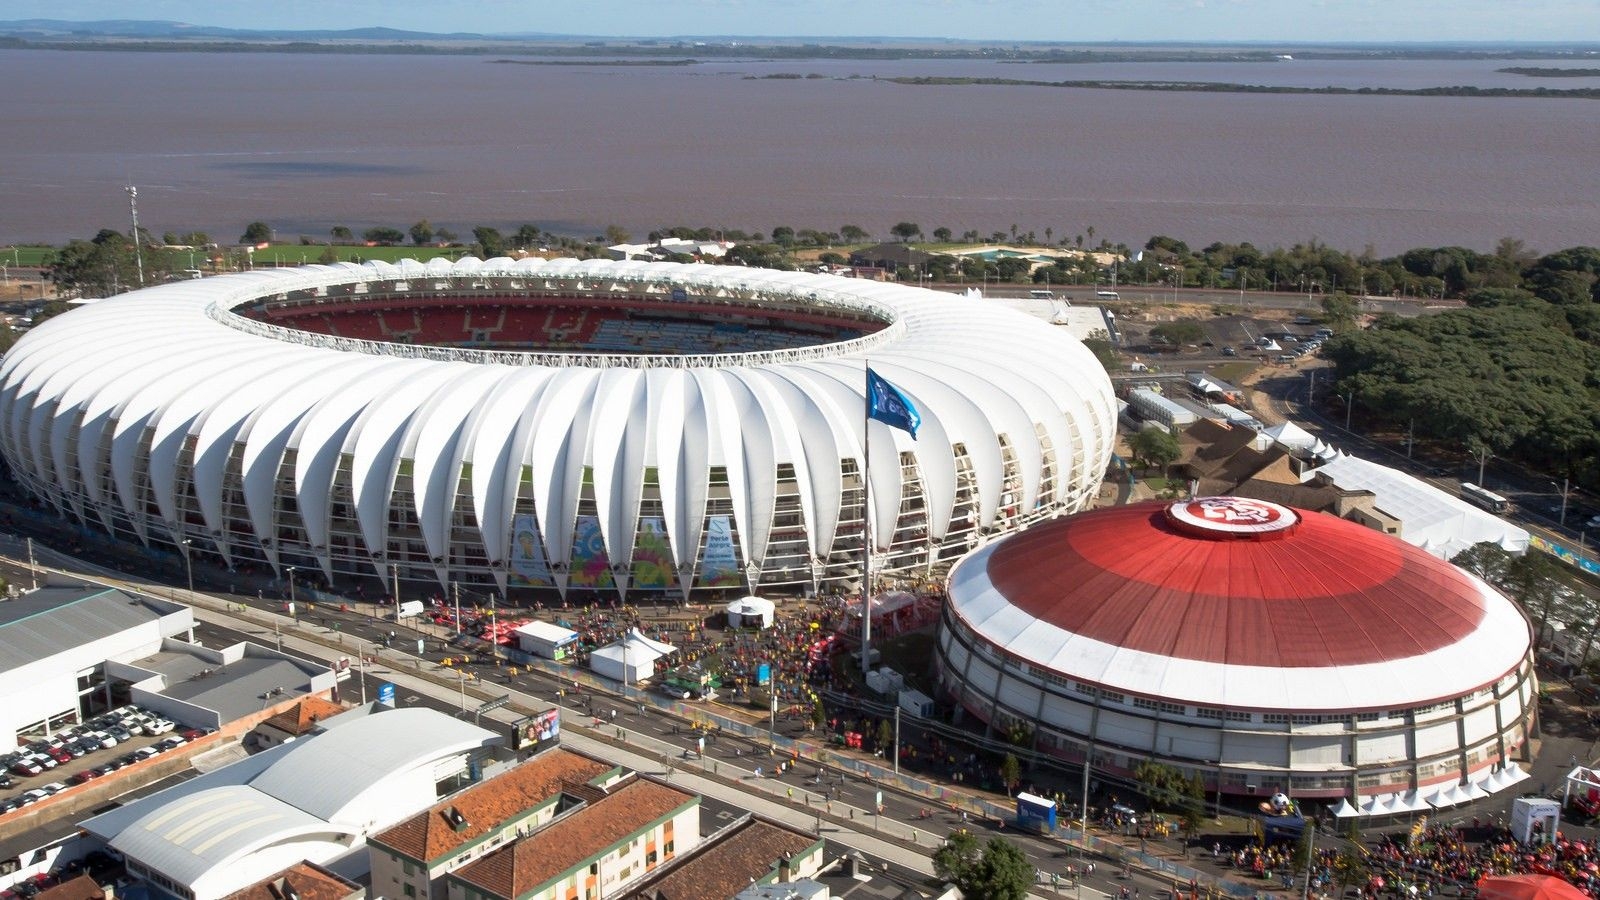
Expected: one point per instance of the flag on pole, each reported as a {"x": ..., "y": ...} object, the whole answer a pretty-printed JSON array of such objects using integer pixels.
[{"x": 888, "y": 405}]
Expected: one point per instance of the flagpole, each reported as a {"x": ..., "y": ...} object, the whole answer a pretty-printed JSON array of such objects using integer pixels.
[{"x": 866, "y": 517}]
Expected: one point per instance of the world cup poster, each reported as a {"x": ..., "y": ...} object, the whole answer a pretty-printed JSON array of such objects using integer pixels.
[
  {"x": 719, "y": 567},
  {"x": 652, "y": 555},
  {"x": 529, "y": 567},
  {"x": 591, "y": 567}
]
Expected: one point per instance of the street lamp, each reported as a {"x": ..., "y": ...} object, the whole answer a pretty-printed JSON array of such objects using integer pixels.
[
  {"x": 188, "y": 564},
  {"x": 290, "y": 572},
  {"x": 1566, "y": 493}
]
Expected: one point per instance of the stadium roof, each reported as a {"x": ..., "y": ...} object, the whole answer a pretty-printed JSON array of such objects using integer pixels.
[
  {"x": 174, "y": 369},
  {"x": 1296, "y": 610}
]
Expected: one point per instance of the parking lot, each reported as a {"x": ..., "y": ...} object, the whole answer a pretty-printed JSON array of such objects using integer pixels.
[{"x": 73, "y": 757}]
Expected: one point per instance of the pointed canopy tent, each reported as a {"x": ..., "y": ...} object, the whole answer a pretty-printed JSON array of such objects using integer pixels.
[
  {"x": 1529, "y": 887},
  {"x": 1344, "y": 810},
  {"x": 631, "y": 659},
  {"x": 1412, "y": 802}
]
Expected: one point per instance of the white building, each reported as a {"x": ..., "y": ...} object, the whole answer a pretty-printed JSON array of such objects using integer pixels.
[
  {"x": 631, "y": 659},
  {"x": 1258, "y": 647},
  {"x": 545, "y": 639},
  {"x": 588, "y": 426},
  {"x": 315, "y": 799},
  {"x": 55, "y": 643}
]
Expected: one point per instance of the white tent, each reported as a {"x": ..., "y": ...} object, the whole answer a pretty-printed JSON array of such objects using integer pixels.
[
  {"x": 1512, "y": 774},
  {"x": 1412, "y": 802},
  {"x": 1437, "y": 521},
  {"x": 1449, "y": 795},
  {"x": 631, "y": 659},
  {"x": 1379, "y": 805},
  {"x": 1471, "y": 791},
  {"x": 751, "y": 612},
  {"x": 545, "y": 639},
  {"x": 1344, "y": 810}
]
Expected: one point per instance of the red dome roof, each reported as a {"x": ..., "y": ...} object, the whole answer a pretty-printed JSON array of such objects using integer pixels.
[{"x": 1236, "y": 582}]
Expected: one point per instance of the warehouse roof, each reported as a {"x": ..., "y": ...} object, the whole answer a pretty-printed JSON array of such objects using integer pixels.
[{"x": 52, "y": 619}]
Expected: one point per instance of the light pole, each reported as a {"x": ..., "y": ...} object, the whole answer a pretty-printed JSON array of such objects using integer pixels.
[
  {"x": 188, "y": 564},
  {"x": 33, "y": 568},
  {"x": 1349, "y": 407},
  {"x": 290, "y": 572},
  {"x": 1566, "y": 492},
  {"x": 361, "y": 663}
]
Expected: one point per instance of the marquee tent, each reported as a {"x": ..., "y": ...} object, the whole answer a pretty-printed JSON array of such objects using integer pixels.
[
  {"x": 631, "y": 659},
  {"x": 1528, "y": 887},
  {"x": 1438, "y": 522}
]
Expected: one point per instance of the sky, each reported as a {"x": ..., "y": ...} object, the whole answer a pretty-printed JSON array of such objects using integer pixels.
[{"x": 1495, "y": 21}]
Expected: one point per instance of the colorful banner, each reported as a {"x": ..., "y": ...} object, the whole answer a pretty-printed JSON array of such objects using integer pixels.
[
  {"x": 1565, "y": 554},
  {"x": 652, "y": 555},
  {"x": 591, "y": 567},
  {"x": 719, "y": 566},
  {"x": 529, "y": 568}
]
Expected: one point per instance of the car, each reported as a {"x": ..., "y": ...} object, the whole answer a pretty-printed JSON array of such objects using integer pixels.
[
  {"x": 35, "y": 795},
  {"x": 5, "y": 780},
  {"x": 1592, "y": 523},
  {"x": 25, "y": 767},
  {"x": 115, "y": 764},
  {"x": 120, "y": 733},
  {"x": 158, "y": 726},
  {"x": 86, "y": 776},
  {"x": 46, "y": 760},
  {"x": 104, "y": 739},
  {"x": 53, "y": 788},
  {"x": 171, "y": 742},
  {"x": 75, "y": 749},
  {"x": 144, "y": 753},
  {"x": 195, "y": 734},
  {"x": 1229, "y": 351},
  {"x": 9, "y": 804}
]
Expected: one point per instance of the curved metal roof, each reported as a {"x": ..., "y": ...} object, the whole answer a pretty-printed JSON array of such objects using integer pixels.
[
  {"x": 173, "y": 364},
  {"x": 1321, "y": 613}
]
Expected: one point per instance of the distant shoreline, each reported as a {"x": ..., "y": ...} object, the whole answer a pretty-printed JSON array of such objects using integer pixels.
[
  {"x": 1227, "y": 88},
  {"x": 1539, "y": 72}
]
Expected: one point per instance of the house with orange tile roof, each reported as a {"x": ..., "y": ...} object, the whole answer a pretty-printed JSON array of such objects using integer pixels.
[
  {"x": 295, "y": 722},
  {"x": 411, "y": 858},
  {"x": 592, "y": 852},
  {"x": 751, "y": 852},
  {"x": 304, "y": 880}
]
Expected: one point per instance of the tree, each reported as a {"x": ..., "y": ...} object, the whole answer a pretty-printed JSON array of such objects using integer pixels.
[
  {"x": 854, "y": 234},
  {"x": 1485, "y": 559},
  {"x": 329, "y": 255},
  {"x": 527, "y": 236},
  {"x": 942, "y": 235},
  {"x": 1155, "y": 447},
  {"x": 885, "y": 737},
  {"x": 1180, "y": 331},
  {"x": 783, "y": 236},
  {"x": 383, "y": 234},
  {"x": 1005, "y": 873},
  {"x": 256, "y": 233},
  {"x": 103, "y": 266},
  {"x": 616, "y": 234},
  {"x": 445, "y": 236},
  {"x": 956, "y": 862},
  {"x": 490, "y": 242},
  {"x": 1010, "y": 772},
  {"x": 819, "y": 714},
  {"x": 341, "y": 233},
  {"x": 422, "y": 232},
  {"x": 905, "y": 231},
  {"x": 1339, "y": 310},
  {"x": 1534, "y": 580}
]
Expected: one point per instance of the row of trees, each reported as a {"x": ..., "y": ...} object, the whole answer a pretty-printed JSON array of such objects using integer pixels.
[{"x": 1515, "y": 375}]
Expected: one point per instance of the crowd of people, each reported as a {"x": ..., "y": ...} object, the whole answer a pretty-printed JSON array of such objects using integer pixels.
[{"x": 1443, "y": 859}]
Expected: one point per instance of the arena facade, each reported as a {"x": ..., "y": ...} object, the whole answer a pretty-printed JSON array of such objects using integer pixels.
[
  {"x": 572, "y": 425},
  {"x": 1259, "y": 647}
]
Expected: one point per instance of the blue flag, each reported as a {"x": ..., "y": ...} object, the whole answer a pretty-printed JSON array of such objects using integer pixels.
[{"x": 888, "y": 405}]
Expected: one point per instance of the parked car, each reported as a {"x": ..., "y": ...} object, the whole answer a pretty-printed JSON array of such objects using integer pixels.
[
  {"x": 120, "y": 733},
  {"x": 195, "y": 734},
  {"x": 172, "y": 742},
  {"x": 35, "y": 795},
  {"x": 25, "y": 767},
  {"x": 144, "y": 753},
  {"x": 5, "y": 780},
  {"x": 158, "y": 726},
  {"x": 46, "y": 760},
  {"x": 53, "y": 788},
  {"x": 86, "y": 776}
]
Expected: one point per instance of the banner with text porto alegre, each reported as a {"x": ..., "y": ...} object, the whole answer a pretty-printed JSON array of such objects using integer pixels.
[
  {"x": 719, "y": 565},
  {"x": 529, "y": 566},
  {"x": 591, "y": 567}
]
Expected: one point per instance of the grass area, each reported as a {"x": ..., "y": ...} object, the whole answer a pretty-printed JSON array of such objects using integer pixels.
[{"x": 24, "y": 256}]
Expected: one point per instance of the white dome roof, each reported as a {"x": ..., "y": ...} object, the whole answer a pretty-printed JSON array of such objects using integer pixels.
[{"x": 195, "y": 397}]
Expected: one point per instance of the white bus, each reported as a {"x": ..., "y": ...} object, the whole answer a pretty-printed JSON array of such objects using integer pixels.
[
  {"x": 1107, "y": 295},
  {"x": 1486, "y": 499}
]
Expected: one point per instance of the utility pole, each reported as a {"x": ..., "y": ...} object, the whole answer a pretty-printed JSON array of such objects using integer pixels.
[
  {"x": 897, "y": 738},
  {"x": 188, "y": 564},
  {"x": 361, "y": 663},
  {"x": 138, "y": 247},
  {"x": 1349, "y": 407},
  {"x": 394, "y": 571},
  {"x": 455, "y": 589},
  {"x": 1311, "y": 857},
  {"x": 33, "y": 568},
  {"x": 1410, "y": 439},
  {"x": 1311, "y": 392}
]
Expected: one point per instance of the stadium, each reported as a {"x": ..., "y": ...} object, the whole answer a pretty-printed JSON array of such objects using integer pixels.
[
  {"x": 1258, "y": 647},
  {"x": 559, "y": 424}
]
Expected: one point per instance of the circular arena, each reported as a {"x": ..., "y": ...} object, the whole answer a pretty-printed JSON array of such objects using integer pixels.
[
  {"x": 1258, "y": 647},
  {"x": 571, "y": 425}
]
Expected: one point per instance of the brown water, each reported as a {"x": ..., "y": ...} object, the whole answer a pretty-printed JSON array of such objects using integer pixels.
[{"x": 305, "y": 142}]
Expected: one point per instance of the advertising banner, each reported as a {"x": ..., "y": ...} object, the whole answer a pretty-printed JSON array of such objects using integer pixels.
[
  {"x": 719, "y": 567},
  {"x": 591, "y": 567},
  {"x": 652, "y": 555},
  {"x": 529, "y": 568}
]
